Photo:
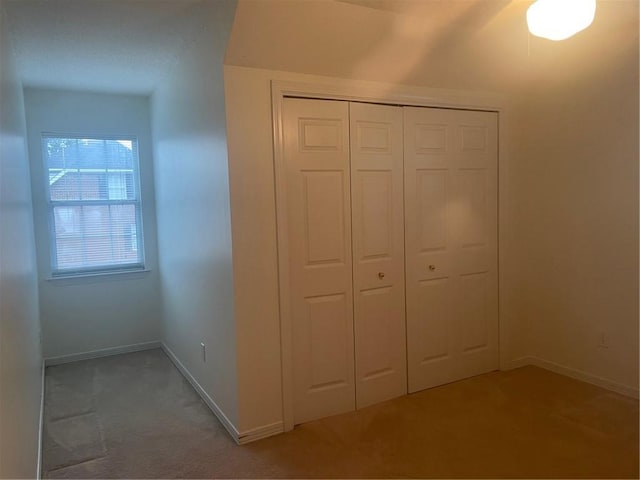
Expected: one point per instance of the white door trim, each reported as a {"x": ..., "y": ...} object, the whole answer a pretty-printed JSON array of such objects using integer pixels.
[{"x": 361, "y": 91}]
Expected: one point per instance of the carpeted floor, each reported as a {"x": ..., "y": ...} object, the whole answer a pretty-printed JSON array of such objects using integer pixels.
[{"x": 135, "y": 416}]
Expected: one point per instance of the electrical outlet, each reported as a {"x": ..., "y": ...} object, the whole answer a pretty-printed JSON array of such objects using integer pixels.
[
  {"x": 204, "y": 352},
  {"x": 603, "y": 340}
]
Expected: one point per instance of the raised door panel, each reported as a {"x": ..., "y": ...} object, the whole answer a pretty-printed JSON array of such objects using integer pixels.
[
  {"x": 472, "y": 208},
  {"x": 323, "y": 216},
  {"x": 322, "y": 330},
  {"x": 320, "y": 135},
  {"x": 432, "y": 343},
  {"x": 432, "y": 205},
  {"x": 318, "y": 223},
  {"x": 473, "y": 312},
  {"x": 376, "y": 220},
  {"x": 378, "y": 241},
  {"x": 375, "y": 359}
]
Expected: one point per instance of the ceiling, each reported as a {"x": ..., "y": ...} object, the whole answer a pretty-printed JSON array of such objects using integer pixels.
[
  {"x": 470, "y": 14},
  {"x": 116, "y": 46},
  {"x": 128, "y": 46}
]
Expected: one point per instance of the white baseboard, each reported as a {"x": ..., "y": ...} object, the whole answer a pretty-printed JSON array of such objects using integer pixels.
[
  {"x": 105, "y": 352},
  {"x": 207, "y": 399},
  {"x": 265, "y": 431},
  {"x": 577, "y": 374},
  {"x": 40, "y": 426},
  {"x": 516, "y": 363},
  {"x": 240, "y": 438}
]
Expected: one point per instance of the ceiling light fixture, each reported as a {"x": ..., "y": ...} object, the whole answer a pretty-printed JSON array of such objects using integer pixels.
[{"x": 560, "y": 19}]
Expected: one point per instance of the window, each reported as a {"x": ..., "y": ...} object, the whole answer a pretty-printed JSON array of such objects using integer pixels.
[{"x": 93, "y": 193}]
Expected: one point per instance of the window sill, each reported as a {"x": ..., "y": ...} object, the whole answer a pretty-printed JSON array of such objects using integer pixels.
[{"x": 98, "y": 276}]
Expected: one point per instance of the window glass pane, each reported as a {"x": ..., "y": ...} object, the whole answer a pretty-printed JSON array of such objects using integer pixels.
[
  {"x": 90, "y": 185},
  {"x": 120, "y": 186},
  {"x": 86, "y": 169},
  {"x": 63, "y": 185},
  {"x": 124, "y": 230},
  {"x": 68, "y": 231},
  {"x": 96, "y": 235},
  {"x": 94, "y": 203},
  {"x": 67, "y": 221}
]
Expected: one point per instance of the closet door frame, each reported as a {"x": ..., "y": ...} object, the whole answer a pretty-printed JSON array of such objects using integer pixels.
[{"x": 385, "y": 94}]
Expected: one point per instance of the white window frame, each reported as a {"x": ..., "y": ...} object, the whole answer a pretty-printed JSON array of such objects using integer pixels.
[{"x": 57, "y": 272}]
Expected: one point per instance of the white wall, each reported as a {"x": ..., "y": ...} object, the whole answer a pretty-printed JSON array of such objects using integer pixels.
[
  {"x": 86, "y": 314},
  {"x": 192, "y": 193},
  {"x": 577, "y": 142},
  {"x": 20, "y": 351},
  {"x": 255, "y": 262},
  {"x": 557, "y": 134}
]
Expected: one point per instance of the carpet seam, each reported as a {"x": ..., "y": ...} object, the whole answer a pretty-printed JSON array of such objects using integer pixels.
[
  {"x": 73, "y": 415},
  {"x": 75, "y": 464}
]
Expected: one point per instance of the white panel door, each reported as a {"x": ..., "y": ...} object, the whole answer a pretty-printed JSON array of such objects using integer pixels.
[
  {"x": 378, "y": 252},
  {"x": 451, "y": 244},
  {"x": 316, "y": 157}
]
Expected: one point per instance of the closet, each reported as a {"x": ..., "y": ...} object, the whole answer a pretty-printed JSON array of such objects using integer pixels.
[{"x": 391, "y": 240}]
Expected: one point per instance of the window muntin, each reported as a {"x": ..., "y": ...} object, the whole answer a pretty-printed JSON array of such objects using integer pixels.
[{"x": 93, "y": 193}]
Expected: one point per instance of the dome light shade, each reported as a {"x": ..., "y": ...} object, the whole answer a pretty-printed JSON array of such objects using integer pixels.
[{"x": 560, "y": 19}]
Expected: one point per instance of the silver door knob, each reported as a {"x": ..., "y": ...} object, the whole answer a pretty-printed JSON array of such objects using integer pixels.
[
  {"x": 380, "y": 275},
  {"x": 432, "y": 267}
]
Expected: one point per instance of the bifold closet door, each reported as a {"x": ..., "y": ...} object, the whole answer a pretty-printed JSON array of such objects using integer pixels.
[
  {"x": 378, "y": 252},
  {"x": 316, "y": 158},
  {"x": 451, "y": 244}
]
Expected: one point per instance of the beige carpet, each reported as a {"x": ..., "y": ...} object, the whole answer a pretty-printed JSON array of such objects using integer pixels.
[{"x": 134, "y": 416}]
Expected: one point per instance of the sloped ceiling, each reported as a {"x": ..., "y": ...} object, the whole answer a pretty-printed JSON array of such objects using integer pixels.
[
  {"x": 457, "y": 44},
  {"x": 455, "y": 14},
  {"x": 128, "y": 46},
  {"x": 467, "y": 44},
  {"x": 119, "y": 46}
]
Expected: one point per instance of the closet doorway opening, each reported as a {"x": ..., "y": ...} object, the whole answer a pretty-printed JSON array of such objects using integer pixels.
[{"x": 387, "y": 243}]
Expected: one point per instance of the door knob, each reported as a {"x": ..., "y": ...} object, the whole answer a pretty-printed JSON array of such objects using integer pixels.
[
  {"x": 432, "y": 267},
  {"x": 380, "y": 275}
]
